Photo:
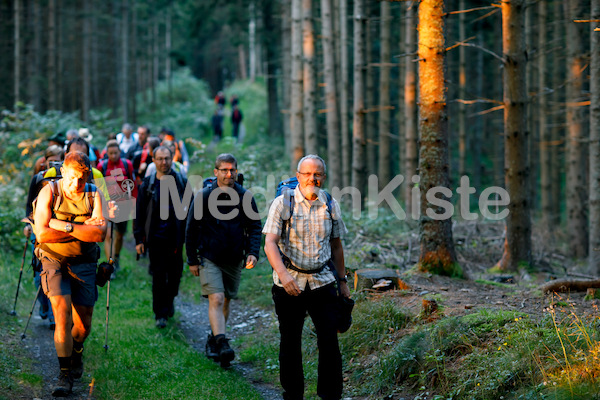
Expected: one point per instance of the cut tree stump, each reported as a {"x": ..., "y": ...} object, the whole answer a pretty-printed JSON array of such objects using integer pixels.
[
  {"x": 569, "y": 285},
  {"x": 367, "y": 278},
  {"x": 429, "y": 307}
]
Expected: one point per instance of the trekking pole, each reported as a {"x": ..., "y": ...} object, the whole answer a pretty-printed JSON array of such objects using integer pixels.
[
  {"x": 14, "y": 311},
  {"x": 110, "y": 261},
  {"x": 31, "y": 312}
]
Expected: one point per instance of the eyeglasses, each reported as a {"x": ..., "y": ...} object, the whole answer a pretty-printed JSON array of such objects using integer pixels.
[
  {"x": 225, "y": 171},
  {"x": 317, "y": 175},
  {"x": 159, "y": 160}
]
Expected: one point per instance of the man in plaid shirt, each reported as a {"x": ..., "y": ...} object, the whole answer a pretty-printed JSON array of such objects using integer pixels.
[{"x": 299, "y": 251}]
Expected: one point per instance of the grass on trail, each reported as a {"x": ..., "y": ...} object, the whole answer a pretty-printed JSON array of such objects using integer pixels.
[{"x": 142, "y": 361}]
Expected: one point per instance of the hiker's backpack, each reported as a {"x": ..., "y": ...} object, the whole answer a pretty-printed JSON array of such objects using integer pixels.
[
  {"x": 125, "y": 164},
  {"x": 286, "y": 188},
  {"x": 57, "y": 199},
  {"x": 212, "y": 181}
]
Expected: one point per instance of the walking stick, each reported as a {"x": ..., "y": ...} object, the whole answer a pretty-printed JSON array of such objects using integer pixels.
[
  {"x": 111, "y": 262},
  {"x": 14, "y": 311},
  {"x": 31, "y": 312}
]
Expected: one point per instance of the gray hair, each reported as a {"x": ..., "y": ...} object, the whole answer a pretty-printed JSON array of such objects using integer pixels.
[
  {"x": 127, "y": 127},
  {"x": 312, "y": 157}
]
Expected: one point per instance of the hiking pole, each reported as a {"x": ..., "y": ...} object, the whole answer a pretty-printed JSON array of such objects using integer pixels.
[
  {"x": 111, "y": 262},
  {"x": 14, "y": 311},
  {"x": 31, "y": 312}
]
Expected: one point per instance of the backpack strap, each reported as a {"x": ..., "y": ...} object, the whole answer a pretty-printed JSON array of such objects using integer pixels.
[{"x": 288, "y": 211}]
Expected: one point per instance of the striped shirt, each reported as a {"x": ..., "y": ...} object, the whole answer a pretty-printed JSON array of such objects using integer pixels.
[{"x": 309, "y": 230}]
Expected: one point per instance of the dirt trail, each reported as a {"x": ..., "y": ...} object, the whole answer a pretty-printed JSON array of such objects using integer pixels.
[{"x": 193, "y": 322}]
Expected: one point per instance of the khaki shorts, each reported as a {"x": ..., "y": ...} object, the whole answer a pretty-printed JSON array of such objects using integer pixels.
[
  {"x": 220, "y": 279},
  {"x": 78, "y": 281}
]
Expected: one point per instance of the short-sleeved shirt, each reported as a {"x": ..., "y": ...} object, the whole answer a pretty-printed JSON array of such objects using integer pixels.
[{"x": 306, "y": 241}]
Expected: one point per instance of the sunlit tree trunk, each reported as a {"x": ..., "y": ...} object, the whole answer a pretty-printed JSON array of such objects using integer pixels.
[
  {"x": 286, "y": 42},
  {"x": 296, "y": 117},
  {"x": 86, "y": 56},
  {"x": 17, "y": 52},
  {"x": 384, "y": 96},
  {"x": 344, "y": 89},
  {"x": 517, "y": 247},
  {"x": 462, "y": 83},
  {"x": 242, "y": 68},
  {"x": 333, "y": 133},
  {"x": 309, "y": 82},
  {"x": 594, "y": 244},
  {"x": 545, "y": 133},
  {"x": 410, "y": 104},
  {"x": 358, "y": 129},
  {"x": 576, "y": 150},
  {"x": 437, "y": 249}
]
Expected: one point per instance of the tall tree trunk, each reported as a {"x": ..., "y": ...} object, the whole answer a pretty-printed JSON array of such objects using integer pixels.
[
  {"x": 155, "y": 64},
  {"x": 168, "y": 62},
  {"x": 309, "y": 82},
  {"x": 576, "y": 153},
  {"x": 296, "y": 117},
  {"x": 51, "y": 52},
  {"x": 370, "y": 116},
  {"x": 17, "y": 52},
  {"x": 437, "y": 248},
  {"x": 531, "y": 116},
  {"x": 410, "y": 104},
  {"x": 252, "y": 41},
  {"x": 137, "y": 65},
  {"x": 517, "y": 248},
  {"x": 242, "y": 68},
  {"x": 344, "y": 117},
  {"x": 333, "y": 133},
  {"x": 594, "y": 244},
  {"x": 124, "y": 84},
  {"x": 95, "y": 57},
  {"x": 558, "y": 120},
  {"x": 35, "y": 59},
  {"x": 462, "y": 83},
  {"x": 286, "y": 42},
  {"x": 85, "y": 82},
  {"x": 545, "y": 133},
  {"x": 359, "y": 173},
  {"x": 384, "y": 96},
  {"x": 270, "y": 44},
  {"x": 478, "y": 136}
]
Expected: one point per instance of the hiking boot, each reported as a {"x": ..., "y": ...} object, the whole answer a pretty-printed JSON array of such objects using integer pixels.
[
  {"x": 226, "y": 353},
  {"x": 212, "y": 353},
  {"x": 76, "y": 364},
  {"x": 64, "y": 386},
  {"x": 43, "y": 311},
  {"x": 161, "y": 323}
]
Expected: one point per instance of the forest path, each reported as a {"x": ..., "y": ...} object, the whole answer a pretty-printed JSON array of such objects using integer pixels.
[{"x": 193, "y": 323}]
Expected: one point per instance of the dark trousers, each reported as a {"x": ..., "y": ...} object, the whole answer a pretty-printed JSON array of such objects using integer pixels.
[
  {"x": 291, "y": 311},
  {"x": 166, "y": 266}
]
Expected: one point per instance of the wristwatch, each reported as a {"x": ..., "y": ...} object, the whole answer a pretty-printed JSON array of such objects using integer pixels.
[
  {"x": 344, "y": 279},
  {"x": 68, "y": 227}
]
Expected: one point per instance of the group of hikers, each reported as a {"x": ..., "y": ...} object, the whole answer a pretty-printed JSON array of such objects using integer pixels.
[
  {"x": 82, "y": 196},
  {"x": 218, "y": 118}
]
